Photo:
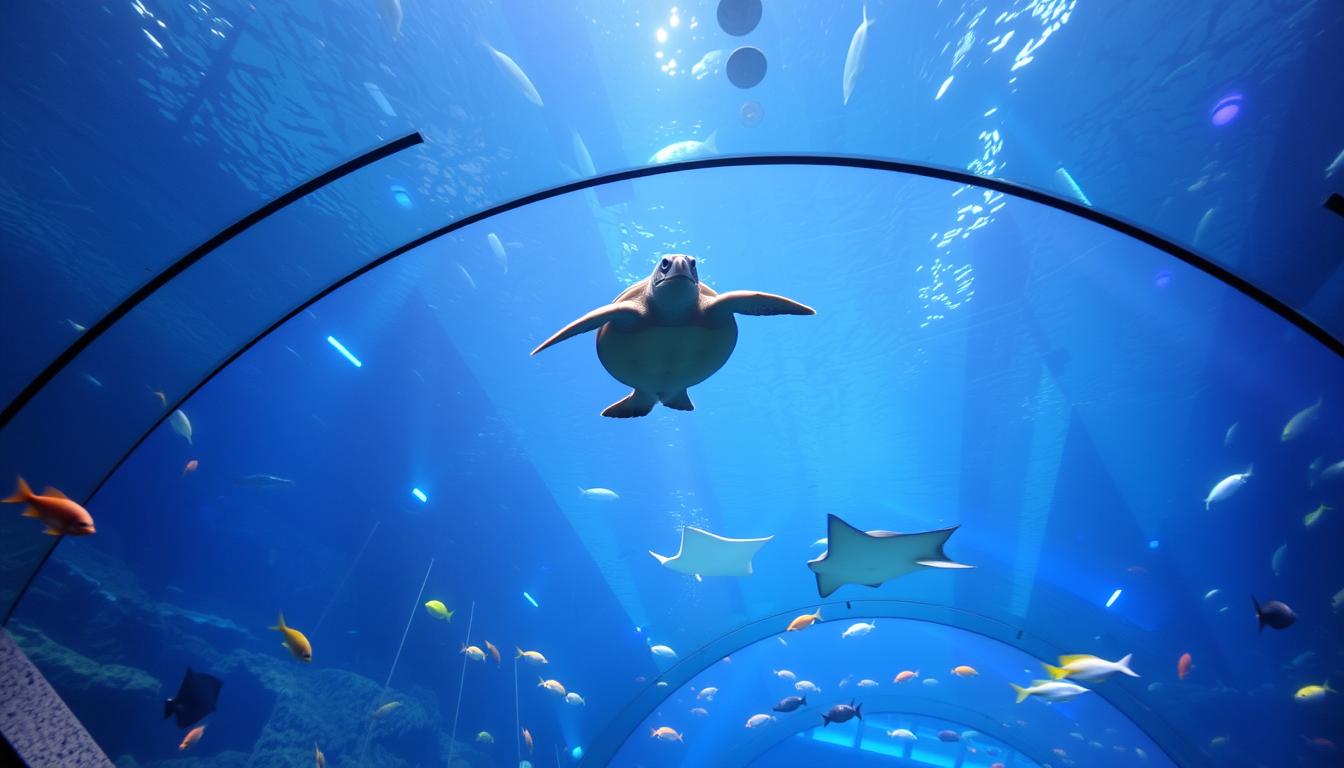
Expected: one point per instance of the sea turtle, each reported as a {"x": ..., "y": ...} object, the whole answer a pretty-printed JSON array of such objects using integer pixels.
[{"x": 668, "y": 332}]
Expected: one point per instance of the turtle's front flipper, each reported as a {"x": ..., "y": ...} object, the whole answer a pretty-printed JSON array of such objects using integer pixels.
[
  {"x": 757, "y": 303},
  {"x": 599, "y": 317},
  {"x": 634, "y": 404}
]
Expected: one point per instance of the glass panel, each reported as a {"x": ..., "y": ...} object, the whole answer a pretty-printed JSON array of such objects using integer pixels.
[{"x": 1060, "y": 392}]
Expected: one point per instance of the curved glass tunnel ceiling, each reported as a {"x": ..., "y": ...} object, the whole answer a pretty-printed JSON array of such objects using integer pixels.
[
  {"x": 135, "y": 133},
  {"x": 947, "y": 719},
  {"x": 1061, "y": 392}
]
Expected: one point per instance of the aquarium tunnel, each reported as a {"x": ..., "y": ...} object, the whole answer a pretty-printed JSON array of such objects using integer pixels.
[{"x": 688, "y": 383}]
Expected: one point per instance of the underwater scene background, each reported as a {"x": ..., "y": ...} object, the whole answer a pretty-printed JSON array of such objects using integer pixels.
[{"x": 1131, "y": 450}]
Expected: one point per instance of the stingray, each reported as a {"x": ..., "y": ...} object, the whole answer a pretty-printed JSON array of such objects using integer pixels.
[
  {"x": 706, "y": 554},
  {"x": 195, "y": 698},
  {"x": 855, "y": 557}
]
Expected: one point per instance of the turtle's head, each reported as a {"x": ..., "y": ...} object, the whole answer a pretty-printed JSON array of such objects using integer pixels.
[{"x": 675, "y": 283}]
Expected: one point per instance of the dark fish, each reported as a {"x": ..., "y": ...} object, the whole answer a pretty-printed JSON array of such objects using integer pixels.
[
  {"x": 841, "y": 713},
  {"x": 1274, "y": 614},
  {"x": 195, "y": 698},
  {"x": 790, "y": 703},
  {"x": 949, "y": 736}
]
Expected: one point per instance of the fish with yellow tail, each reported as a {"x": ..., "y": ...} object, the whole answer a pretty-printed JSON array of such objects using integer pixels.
[
  {"x": 1049, "y": 690},
  {"x": 473, "y": 652},
  {"x": 62, "y": 516},
  {"x": 531, "y": 657},
  {"x": 1309, "y": 693},
  {"x": 294, "y": 640},
  {"x": 438, "y": 610},
  {"x": 1084, "y": 666},
  {"x": 804, "y": 621}
]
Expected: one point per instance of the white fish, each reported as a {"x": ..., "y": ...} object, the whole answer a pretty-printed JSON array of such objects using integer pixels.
[
  {"x": 581, "y": 155},
  {"x": 784, "y": 674},
  {"x": 1303, "y": 420},
  {"x": 1330, "y": 473},
  {"x": 867, "y": 683},
  {"x": 1276, "y": 562},
  {"x": 662, "y": 651},
  {"x": 707, "y": 694},
  {"x": 1057, "y": 690},
  {"x": 930, "y": 681},
  {"x": 904, "y": 734},
  {"x": 686, "y": 150},
  {"x": 601, "y": 494},
  {"x": 1088, "y": 667},
  {"x": 806, "y": 686},
  {"x": 575, "y": 700},
  {"x": 392, "y": 15},
  {"x": 467, "y": 275},
  {"x": 1212, "y": 593},
  {"x": 756, "y": 721},
  {"x": 76, "y": 327},
  {"x": 1337, "y": 602},
  {"x": 707, "y": 65},
  {"x": 93, "y": 380},
  {"x": 1335, "y": 165},
  {"x": 497, "y": 248},
  {"x": 823, "y": 541},
  {"x": 782, "y": 641},
  {"x": 858, "y": 629},
  {"x": 516, "y": 74},
  {"x": 1202, "y": 228},
  {"x": 854, "y": 58},
  {"x": 181, "y": 424},
  {"x": 1231, "y": 433},
  {"x": 1226, "y": 487}
]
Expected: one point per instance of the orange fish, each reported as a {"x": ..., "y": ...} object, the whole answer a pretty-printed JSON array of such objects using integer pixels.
[
  {"x": 494, "y": 652},
  {"x": 193, "y": 736},
  {"x": 964, "y": 671},
  {"x": 904, "y": 675},
  {"x": 527, "y": 739},
  {"x": 1183, "y": 666},
  {"x": 804, "y": 621},
  {"x": 62, "y": 516},
  {"x": 191, "y": 467}
]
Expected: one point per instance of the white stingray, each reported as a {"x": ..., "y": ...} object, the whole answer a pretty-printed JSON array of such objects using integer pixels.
[
  {"x": 706, "y": 554},
  {"x": 855, "y": 557}
]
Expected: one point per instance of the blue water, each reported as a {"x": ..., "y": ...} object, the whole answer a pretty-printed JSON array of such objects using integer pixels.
[{"x": 1064, "y": 394}]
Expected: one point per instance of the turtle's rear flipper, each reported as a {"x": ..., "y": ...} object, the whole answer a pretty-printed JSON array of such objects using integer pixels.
[
  {"x": 634, "y": 404},
  {"x": 680, "y": 401}
]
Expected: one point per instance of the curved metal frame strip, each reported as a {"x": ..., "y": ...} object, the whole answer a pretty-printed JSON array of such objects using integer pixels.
[
  {"x": 621, "y": 727},
  {"x": 91, "y": 334},
  {"x": 605, "y": 748}
]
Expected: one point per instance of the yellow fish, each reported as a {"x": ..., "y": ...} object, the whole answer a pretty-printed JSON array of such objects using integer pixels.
[
  {"x": 804, "y": 621},
  {"x": 321, "y": 758},
  {"x": 494, "y": 652},
  {"x": 1313, "y": 692},
  {"x": 473, "y": 653},
  {"x": 385, "y": 710},
  {"x": 438, "y": 610},
  {"x": 553, "y": 686},
  {"x": 1314, "y": 516},
  {"x": 531, "y": 657},
  {"x": 294, "y": 641}
]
